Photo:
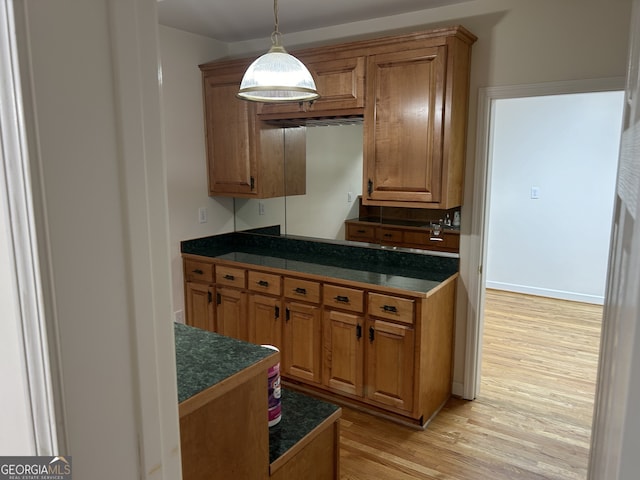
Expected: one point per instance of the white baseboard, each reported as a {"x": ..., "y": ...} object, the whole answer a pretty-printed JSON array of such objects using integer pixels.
[{"x": 547, "y": 292}]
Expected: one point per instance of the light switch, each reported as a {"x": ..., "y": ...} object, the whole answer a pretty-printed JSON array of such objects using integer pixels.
[{"x": 202, "y": 215}]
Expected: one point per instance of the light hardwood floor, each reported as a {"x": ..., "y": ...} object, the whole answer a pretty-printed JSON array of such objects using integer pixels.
[{"x": 532, "y": 419}]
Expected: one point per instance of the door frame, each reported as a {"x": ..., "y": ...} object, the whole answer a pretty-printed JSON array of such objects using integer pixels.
[{"x": 473, "y": 263}]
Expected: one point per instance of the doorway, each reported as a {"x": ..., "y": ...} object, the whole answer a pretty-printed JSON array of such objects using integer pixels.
[{"x": 541, "y": 173}]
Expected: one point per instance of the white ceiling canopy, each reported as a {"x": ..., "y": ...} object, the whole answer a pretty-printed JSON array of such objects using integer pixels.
[{"x": 238, "y": 20}]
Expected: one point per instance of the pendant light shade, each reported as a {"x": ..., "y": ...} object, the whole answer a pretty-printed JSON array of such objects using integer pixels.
[{"x": 277, "y": 76}]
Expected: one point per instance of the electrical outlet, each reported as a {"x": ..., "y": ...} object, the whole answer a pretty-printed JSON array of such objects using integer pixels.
[
  {"x": 260, "y": 208},
  {"x": 535, "y": 193},
  {"x": 179, "y": 316},
  {"x": 202, "y": 214},
  {"x": 349, "y": 197}
]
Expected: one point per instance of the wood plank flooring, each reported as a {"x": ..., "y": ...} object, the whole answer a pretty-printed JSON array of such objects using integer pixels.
[{"x": 532, "y": 419}]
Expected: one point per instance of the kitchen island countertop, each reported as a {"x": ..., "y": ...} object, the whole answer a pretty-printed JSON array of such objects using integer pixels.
[{"x": 206, "y": 359}]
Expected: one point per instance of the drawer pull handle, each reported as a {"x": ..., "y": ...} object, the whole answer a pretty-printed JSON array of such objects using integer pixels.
[
  {"x": 197, "y": 271},
  {"x": 300, "y": 290},
  {"x": 388, "y": 235},
  {"x": 263, "y": 283},
  {"x": 341, "y": 299},
  {"x": 362, "y": 231},
  {"x": 358, "y": 331},
  {"x": 229, "y": 277},
  {"x": 390, "y": 308},
  {"x": 372, "y": 334},
  {"x": 436, "y": 239}
]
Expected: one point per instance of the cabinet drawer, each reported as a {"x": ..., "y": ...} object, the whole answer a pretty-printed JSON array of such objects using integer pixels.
[
  {"x": 299, "y": 289},
  {"x": 264, "y": 282},
  {"x": 361, "y": 233},
  {"x": 195, "y": 271},
  {"x": 392, "y": 308},
  {"x": 345, "y": 298},
  {"x": 390, "y": 235},
  {"x": 444, "y": 241},
  {"x": 232, "y": 277}
]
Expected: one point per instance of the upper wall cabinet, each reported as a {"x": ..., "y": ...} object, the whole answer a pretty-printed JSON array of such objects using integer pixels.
[
  {"x": 245, "y": 156},
  {"x": 415, "y": 122},
  {"x": 411, "y": 91},
  {"x": 340, "y": 82}
]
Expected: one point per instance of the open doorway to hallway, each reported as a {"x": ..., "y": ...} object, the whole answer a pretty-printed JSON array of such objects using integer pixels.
[{"x": 550, "y": 187}]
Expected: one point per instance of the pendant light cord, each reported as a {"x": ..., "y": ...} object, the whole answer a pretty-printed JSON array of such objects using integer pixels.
[
  {"x": 275, "y": 36},
  {"x": 275, "y": 16}
]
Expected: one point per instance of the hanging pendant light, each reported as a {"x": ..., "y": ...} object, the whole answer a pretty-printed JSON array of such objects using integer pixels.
[{"x": 277, "y": 76}]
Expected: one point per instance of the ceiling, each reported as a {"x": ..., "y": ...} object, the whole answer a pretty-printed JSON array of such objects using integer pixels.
[{"x": 238, "y": 20}]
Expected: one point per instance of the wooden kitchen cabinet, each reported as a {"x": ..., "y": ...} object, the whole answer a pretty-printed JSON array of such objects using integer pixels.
[
  {"x": 448, "y": 240},
  {"x": 265, "y": 320},
  {"x": 340, "y": 83},
  {"x": 409, "y": 91},
  {"x": 231, "y": 312},
  {"x": 387, "y": 350},
  {"x": 343, "y": 352},
  {"x": 302, "y": 341},
  {"x": 415, "y": 123},
  {"x": 199, "y": 306},
  {"x": 198, "y": 294},
  {"x": 390, "y": 360},
  {"x": 265, "y": 309},
  {"x": 245, "y": 156}
]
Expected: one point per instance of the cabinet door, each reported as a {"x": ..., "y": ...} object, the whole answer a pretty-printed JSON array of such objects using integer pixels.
[
  {"x": 265, "y": 320},
  {"x": 390, "y": 361},
  {"x": 230, "y": 133},
  {"x": 302, "y": 341},
  {"x": 231, "y": 312},
  {"x": 343, "y": 352},
  {"x": 199, "y": 305},
  {"x": 340, "y": 83},
  {"x": 403, "y": 127}
]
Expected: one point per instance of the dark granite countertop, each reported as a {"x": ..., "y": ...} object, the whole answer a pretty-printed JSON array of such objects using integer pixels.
[
  {"x": 300, "y": 415},
  {"x": 388, "y": 268},
  {"x": 204, "y": 358}
]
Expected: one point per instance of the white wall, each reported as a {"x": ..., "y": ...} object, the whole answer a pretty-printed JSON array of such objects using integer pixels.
[
  {"x": 92, "y": 102},
  {"x": 567, "y": 146},
  {"x": 519, "y": 42},
  {"x": 184, "y": 140}
]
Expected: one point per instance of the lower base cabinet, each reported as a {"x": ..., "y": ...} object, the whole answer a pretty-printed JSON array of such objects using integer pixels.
[
  {"x": 343, "y": 352},
  {"x": 390, "y": 358},
  {"x": 199, "y": 305},
  {"x": 302, "y": 341},
  {"x": 387, "y": 351},
  {"x": 265, "y": 320},
  {"x": 231, "y": 312}
]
